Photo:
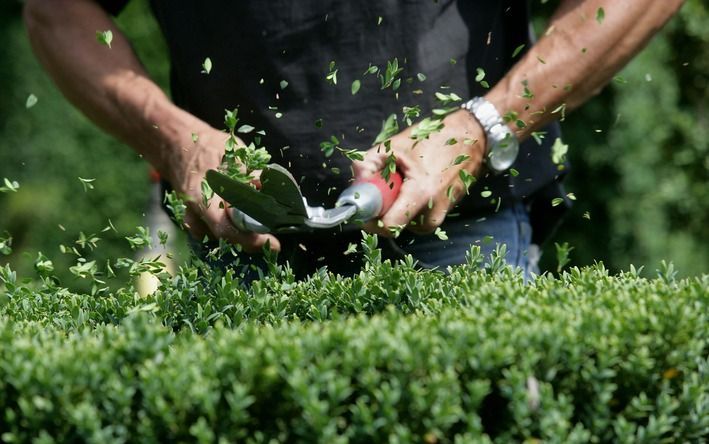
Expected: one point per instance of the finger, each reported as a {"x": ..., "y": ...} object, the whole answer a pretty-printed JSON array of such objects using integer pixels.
[
  {"x": 412, "y": 199},
  {"x": 197, "y": 228},
  {"x": 429, "y": 219}
]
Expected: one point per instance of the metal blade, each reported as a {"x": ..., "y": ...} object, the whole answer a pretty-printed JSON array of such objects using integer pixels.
[
  {"x": 277, "y": 182},
  {"x": 260, "y": 206}
]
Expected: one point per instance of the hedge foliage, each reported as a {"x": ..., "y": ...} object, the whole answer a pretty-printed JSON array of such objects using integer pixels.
[
  {"x": 640, "y": 152},
  {"x": 390, "y": 355}
]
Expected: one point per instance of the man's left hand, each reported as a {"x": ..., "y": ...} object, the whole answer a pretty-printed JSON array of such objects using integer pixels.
[{"x": 432, "y": 173}]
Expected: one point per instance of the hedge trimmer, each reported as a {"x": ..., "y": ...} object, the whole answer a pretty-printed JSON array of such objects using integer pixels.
[{"x": 280, "y": 207}]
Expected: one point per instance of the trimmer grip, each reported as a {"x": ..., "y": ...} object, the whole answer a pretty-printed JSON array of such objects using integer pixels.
[
  {"x": 372, "y": 197},
  {"x": 388, "y": 190}
]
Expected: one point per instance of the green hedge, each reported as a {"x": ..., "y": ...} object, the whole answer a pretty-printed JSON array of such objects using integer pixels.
[
  {"x": 392, "y": 355},
  {"x": 640, "y": 152}
]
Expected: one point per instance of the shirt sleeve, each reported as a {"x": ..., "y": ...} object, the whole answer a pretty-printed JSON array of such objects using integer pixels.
[{"x": 113, "y": 7}]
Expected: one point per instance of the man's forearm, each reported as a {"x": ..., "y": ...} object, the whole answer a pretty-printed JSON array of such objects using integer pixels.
[
  {"x": 576, "y": 57},
  {"x": 109, "y": 85}
]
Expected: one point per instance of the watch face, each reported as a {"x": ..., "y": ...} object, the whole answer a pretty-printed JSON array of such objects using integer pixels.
[{"x": 503, "y": 153}]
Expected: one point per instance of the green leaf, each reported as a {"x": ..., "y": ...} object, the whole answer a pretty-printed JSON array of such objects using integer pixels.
[
  {"x": 389, "y": 166},
  {"x": 555, "y": 202},
  {"x": 510, "y": 116},
  {"x": 467, "y": 179},
  {"x": 87, "y": 183},
  {"x": 283, "y": 84},
  {"x": 390, "y": 127},
  {"x": 231, "y": 119},
  {"x": 442, "y": 112},
  {"x": 104, "y": 37},
  {"x": 31, "y": 101},
  {"x": 421, "y": 77},
  {"x": 328, "y": 146},
  {"x": 538, "y": 136},
  {"x": 486, "y": 193},
  {"x": 352, "y": 154},
  {"x": 372, "y": 69},
  {"x": 527, "y": 93},
  {"x": 355, "y": 86},
  {"x": 162, "y": 238},
  {"x": 141, "y": 239},
  {"x": 460, "y": 159},
  {"x": 177, "y": 206},
  {"x": 10, "y": 186},
  {"x": 562, "y": 255},
  {"x": 426, "y": 127},
  {"x": 207, "y": 193},
  {"x": 244, "y": 129},
  {"x": 351, "y": 248},
  {"x": 445, "y": 99},
  {"x": 560, "y": 109},
  {"x": 559, "y": 151},
  {"x": 390, "y": 76},
  {"x": 441, "y": 234},
  {"x": 207, "y": 66},
  {"x": 332, "y": 73},
  {"x": 600, "y": 15},
  {"x": 43, "y": 265},
  {"x": 480, "y": 75},
  {"x": 514, "y": 172},
  {"x": 5, "y": 245},
  {"x": 410, "y": 113},
  {"x": 517, "y": 50}
]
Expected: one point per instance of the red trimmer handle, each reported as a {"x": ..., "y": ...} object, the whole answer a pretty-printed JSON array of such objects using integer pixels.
[{"x": 388, "y": 190}]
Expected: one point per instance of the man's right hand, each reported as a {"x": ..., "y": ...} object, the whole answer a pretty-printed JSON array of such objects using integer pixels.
[
  {"x": 111, "y": 87},
  {"x": 186, "y": 173}
]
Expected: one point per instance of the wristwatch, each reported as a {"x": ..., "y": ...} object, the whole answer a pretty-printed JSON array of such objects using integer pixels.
[{"x": 502, "y": 144}]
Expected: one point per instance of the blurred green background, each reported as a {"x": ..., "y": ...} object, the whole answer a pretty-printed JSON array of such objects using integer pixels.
[{"x": 640, "y": 152}]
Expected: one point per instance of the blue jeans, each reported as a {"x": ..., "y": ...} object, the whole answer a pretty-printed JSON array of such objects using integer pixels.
[
  {"x": 308, "y": 252},
  {"x": 510, "y": 226}
]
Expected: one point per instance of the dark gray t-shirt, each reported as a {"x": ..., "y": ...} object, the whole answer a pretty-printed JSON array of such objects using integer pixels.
[{"x": 257, "y": 46}]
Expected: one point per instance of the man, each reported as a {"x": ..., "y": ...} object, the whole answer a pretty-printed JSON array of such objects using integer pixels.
[{"x": 288, "y": 67}]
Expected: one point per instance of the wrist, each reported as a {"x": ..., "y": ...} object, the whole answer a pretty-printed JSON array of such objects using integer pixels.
[
  {"x": 502, "y": 146},
  {"x": 174, "y": 139},
  {"x": 471, "y": 135}
]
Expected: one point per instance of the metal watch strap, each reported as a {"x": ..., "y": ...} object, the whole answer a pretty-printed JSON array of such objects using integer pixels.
[{"x": 502, "y": 144}]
